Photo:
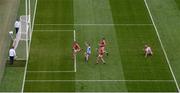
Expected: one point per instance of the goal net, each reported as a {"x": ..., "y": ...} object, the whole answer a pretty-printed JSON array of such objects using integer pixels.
[{"x": 22, "y": 41}]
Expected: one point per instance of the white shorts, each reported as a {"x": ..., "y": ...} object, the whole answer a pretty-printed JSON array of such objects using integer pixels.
[
  {"x": 100, "y": 55},
  {"x": 76, "y": 50}
]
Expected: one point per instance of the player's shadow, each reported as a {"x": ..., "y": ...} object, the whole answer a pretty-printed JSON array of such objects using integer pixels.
[{"x": 17, "y": 63}]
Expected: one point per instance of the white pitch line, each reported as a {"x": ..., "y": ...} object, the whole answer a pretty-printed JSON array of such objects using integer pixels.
[
  {"x": 53, "y": 30},
  {"x": 162, "y": 46},
  {"x": 99, "y": 80},
  {"x": 96, "y": 24},
  {"x": 50, "y": 71},
  {"x": 75, "y": 64},
  {"x": 25, "y": 70},
  {"x": 74, "y": 33}
]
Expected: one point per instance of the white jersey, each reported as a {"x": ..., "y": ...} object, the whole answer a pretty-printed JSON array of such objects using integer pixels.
[
  {"x": 12, "y": 52},
  {"x": 148, "y": 50},
  {"x": 88, "y": 50},
  {"x": 17, "y": 24}
]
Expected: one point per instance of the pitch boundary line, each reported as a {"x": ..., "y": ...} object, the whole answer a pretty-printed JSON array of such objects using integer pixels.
[
  {"x": 95, "y": 24},
  {"x": 99, "y": 80},
  {"x": 145, "y": 1}
]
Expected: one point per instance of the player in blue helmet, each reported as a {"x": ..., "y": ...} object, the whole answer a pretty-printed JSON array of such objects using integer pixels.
[{"x": 88, "y": 52}]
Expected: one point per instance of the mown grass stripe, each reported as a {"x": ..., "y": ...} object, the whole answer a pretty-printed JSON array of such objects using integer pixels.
[{"x": 162, "y": 46}]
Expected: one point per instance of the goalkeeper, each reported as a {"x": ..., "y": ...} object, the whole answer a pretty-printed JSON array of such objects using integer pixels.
[{"x": 147, "y": 51}]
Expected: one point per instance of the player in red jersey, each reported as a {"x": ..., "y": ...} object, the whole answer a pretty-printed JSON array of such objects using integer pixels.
[
  {"x": 102, "y": 43},
  {"x": 100, "y": 55},
  {"x": 76, "y": 48}
]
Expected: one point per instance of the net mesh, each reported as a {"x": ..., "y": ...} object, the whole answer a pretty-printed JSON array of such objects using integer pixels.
[
  {"x": 23, "y": 37},
  {"x": 21, "y": 42}
]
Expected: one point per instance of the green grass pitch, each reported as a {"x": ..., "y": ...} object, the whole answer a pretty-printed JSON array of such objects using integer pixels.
[{"x": 126, "y": 25}]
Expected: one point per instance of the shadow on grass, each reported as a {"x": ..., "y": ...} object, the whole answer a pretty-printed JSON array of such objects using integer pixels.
[{"x": 17, "y": 63}]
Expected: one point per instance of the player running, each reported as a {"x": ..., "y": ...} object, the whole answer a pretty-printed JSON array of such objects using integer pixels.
[
  {"x": 147, "y": 51},
  {"x": 88, "y": 52},
  {"x": 100, "y": 55},
  {"x": 102, "y": 43},
  {"x": 76, "y": 48}
]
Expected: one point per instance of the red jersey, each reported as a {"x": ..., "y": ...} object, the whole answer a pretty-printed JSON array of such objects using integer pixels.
[
  {"x": 76, "y": 46},
  {"x": 101, "y": 50},
  {"x": 102, "y": 43}
]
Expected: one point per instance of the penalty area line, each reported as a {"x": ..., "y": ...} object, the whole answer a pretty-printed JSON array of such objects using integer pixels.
[
  {"x": 50, "y": 71},
  {"x": 74, "y": 35},
  {"x": 99, "y": 80},
  {"x": 95, "y": 24},
  {"x": 53, "y": 30}
]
